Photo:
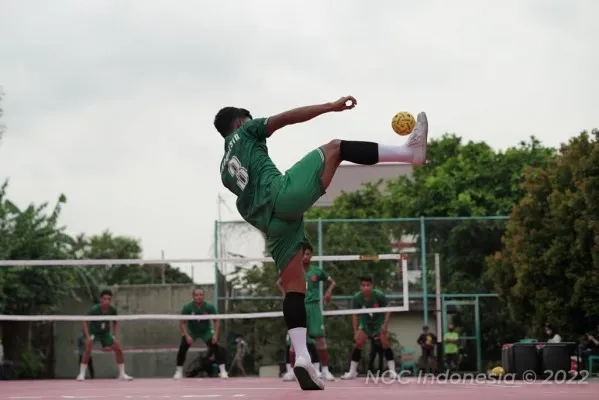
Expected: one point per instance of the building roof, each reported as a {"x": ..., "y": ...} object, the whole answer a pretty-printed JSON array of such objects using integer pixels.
[{"x": 351, "y": 177}]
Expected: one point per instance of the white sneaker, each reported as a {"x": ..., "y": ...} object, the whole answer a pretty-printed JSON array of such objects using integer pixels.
[
  {"x": 418, "y": 140},
  {"x": 125, "y": 377},
  {"x": 288, "y": 377},
  {"x": 80, "y": 377},
  {"x": 328, "y": 376},
  {"x": 392, "y": 374},
  {"x": 223, "y": 375},
  {"x": 349, "y": 376},
  {"x": 306, "y": 375}
]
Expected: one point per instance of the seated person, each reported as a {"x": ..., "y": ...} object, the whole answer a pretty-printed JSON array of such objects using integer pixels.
[
  {"x": 552, "y": 335},
  {"x": 589, "y": 347}
]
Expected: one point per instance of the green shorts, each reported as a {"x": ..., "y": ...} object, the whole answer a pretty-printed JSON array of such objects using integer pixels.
[
  {"x": 105, "y": 339},
  {"x": 371, "y": 330},
  {"x": 206, "y": 336},
  {"x": 295, "y": 193},
  {"x": 309, "y": 340},
  {"x": 314, "y": 320}
]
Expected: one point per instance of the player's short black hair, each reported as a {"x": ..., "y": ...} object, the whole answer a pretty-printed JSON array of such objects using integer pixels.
[
  {"x": 308, "y": 246},
  {"x": 365, "y": 279},
  {"x": 223, "y": 121},
  {"x": 106, "y": 292}
]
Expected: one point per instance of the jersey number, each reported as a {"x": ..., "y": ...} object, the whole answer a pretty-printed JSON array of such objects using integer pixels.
[{"x": 238, "y": 172}]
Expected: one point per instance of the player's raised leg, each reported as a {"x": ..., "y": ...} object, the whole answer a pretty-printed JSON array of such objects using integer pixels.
[
  {"x": 369, "y": 153},
  {"x": 360, "y": 338}
]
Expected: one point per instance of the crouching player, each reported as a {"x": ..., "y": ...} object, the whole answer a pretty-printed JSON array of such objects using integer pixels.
[
  {"x": 290, "y": 357},
  {"x": 204, "y": 329},
  {"x": 373, "y": 326},
  {"x": 99, "y": 332}
]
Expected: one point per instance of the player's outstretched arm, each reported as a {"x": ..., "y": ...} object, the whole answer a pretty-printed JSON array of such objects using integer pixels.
[{"x": 304, "y": 114}]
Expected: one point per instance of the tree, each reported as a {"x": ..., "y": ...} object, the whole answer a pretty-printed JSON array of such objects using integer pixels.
[
  {"x": 108, "y": 246},
  {"x": 548, "y": 270}
]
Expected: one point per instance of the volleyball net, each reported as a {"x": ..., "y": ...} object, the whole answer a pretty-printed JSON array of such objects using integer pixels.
[{"x": 149, "y": 316}]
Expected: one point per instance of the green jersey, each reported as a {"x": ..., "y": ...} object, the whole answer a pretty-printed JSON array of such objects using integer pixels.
[
  {"x": 314, "y": 276},
  {"x": 451, "y": 348},
  {"x": 247, "y": 171},
  {"x": 100, "y": 327},
  {"x": 377, "y": 299},
  {"x": 199, "y": 326}
]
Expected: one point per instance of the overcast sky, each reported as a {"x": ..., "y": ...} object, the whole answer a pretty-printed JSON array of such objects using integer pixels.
[{"x": 112, "y": 102}]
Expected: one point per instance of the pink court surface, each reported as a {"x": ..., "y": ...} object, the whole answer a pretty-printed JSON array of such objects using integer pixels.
[{"x": 268, "y": 389}]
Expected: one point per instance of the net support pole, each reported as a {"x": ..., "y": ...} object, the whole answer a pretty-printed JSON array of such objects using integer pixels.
[
  {"x": 320, "y": 263},
  {"x": 216, "y": 244},
  {"x": 405, "y": 281},
  {"x": 424, "y": 269},
  {"x": 438, "y": 293}
]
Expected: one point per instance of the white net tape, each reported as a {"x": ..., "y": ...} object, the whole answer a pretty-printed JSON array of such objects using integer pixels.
[
  {"x": 66, "y": 263},
  {"x": 178, "y": 317}
]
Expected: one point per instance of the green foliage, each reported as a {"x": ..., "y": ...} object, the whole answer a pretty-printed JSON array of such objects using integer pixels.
[
  {"x": 548, "y": 270},
  {"x": 30, "y": 365}
]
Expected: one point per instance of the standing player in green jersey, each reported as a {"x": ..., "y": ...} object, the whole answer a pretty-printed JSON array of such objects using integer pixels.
[
  {"x": 204, "y": 329},
  {"x": 314, "y": 318},
  {"x": 99, "y": 332},
  {"x": 374, "y": 325},
  {"x": 275, "y": 203}
]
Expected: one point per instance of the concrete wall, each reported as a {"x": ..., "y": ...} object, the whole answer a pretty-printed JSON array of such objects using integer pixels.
[
  {"x": 160, "y": 338},
  {"x": 407, "y": 326}
]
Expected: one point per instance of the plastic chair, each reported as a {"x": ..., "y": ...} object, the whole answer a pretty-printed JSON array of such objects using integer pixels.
[
  {"x": 408, "y": 360},
  {"x": 592, "y": 359}
]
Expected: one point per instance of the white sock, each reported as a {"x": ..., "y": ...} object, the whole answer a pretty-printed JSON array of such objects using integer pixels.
[
  {"x": 121, "y": 369},
  {"x": 353, "y": 367},
  {"x": 325, "y": 369},
  {"x": 179, "y": 369},
  {"x": 289, "y": 369},
  {"x": 391, "y": 365},
  {"x": 395, "y": 154},
  {"x": 298, "y": 340},
  {"x": 317, "y": 366},
  {"x": 222, "y": 368},
  {"x": 82, "y": 369}
]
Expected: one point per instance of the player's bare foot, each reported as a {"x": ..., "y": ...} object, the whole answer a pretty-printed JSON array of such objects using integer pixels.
[
  {"x": 418, "y": 140},
  {"x": 306, "y": 375}
]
